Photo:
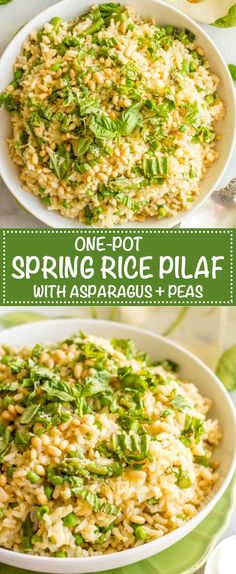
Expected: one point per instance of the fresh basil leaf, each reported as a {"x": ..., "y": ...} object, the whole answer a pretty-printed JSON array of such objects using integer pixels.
[
  {"x": 37, "y": 350},
  {"x": 16, "y": 364},
  {"x": 126, "y": 346},
  {"x": 226, "y": 368},
  {"x": 52, "y": 414},
  {"x": 131, "y": 380},
  {"x": 38, "y": 373},
  {"x": 29, "y": 414},
  {"x": 129, "y": 71},
  {"x": 4, "y": 441},
  {"x": 58, "y": 389},
  {"x": 95, "y": 384},
  {"x": 10, "y": 104},
  {"x": 4, "y": 2},
  {"x": 232, "y": 69},
  {"x": 203, "y": 460},
  {"x": 130, "y": 119},
  {"x": 22, "y": 439},
  {"x": 9, "y": 387},
  {"x": 192, "y": 426},
  {"x": 228, "y": 20},
  {"x": 183, "y": 480},
  {"x": 60, "y": 162},
  {"x": 88, "y": 106},
  {"x": 179, "y": 403},
  {"x": 193, "y": 115},
  {"x": 161, "y": 110},
  {"x": 81, "y": 146},
  {"x": 103, "y": 127}
]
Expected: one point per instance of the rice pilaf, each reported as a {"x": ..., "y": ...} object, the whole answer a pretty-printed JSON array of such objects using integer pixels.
[
  {"x": 101, "y": 448},
  {"x": 114, "y": 117}
]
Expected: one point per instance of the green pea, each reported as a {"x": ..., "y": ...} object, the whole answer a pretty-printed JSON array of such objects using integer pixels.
[
  {"x": 41, "y": 511},
  {"x": 140, "y": 533},
  {"x": 18, "y": 74},
  {"x": 209, "y": 98},
  {"x": 192, "y": 66},
  {"x": 46, "y": 200},
  {"x": 183, "y": 128},
  {"x": 55, "y": 22},
  {"x": 169, "y": 29},
  {"x": 56, "y": 66},
  {"x": 2, "y": 514},
  {"x": 57, "y": 480},
  {"x": 162, "y": 212},
  {"x": 48, "y": 490},
  {"x": 70, "y": 520},
  {"x": 78, "y": 539},
  {"x": 5, "y": 359},
  {"x": 33, "y": 477},
  {"x": 61, "y": 555}
]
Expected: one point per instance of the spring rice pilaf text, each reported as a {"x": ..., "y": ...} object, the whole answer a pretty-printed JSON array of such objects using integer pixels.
[
  {"x": 101, "y": 448},
  {"x": 113, "y": 116}
]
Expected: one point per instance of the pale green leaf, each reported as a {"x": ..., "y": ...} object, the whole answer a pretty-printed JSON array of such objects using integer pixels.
[
  {"x": 228, "y": 20},
  {"x": 20, "y": 317},
  {"x": 226, "y": 368}
]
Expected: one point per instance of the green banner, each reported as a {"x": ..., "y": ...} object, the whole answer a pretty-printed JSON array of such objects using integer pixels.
[{"x": 118, "y": 267}]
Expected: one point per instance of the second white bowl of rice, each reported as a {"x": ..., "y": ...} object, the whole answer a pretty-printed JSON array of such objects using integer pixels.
[
  {"x": 152, "y": 176},
  {"x": 197, "y": 380}
]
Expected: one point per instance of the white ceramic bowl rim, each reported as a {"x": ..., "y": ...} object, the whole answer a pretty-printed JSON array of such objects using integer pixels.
[
  {"x": 54, "y": 219},
  {"x": 105, "y": 560}
]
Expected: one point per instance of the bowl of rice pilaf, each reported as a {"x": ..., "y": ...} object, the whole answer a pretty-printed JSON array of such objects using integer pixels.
[
  {"x": 115, "y": 443},
  {"x": 114, "y": 114}
]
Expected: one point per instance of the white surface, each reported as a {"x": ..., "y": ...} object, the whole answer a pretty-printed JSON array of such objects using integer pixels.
[
  {"x": 163, "y": 13},
  {"x": 205, "y": 11},
  {"x": 223, "y": 558},
  {"x": 190, "y": 367}
]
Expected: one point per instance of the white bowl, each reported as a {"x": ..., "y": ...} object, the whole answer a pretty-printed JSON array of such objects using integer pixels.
[
  {"x": 164, "y": 14},
  {"x": 191, "y": 368}
]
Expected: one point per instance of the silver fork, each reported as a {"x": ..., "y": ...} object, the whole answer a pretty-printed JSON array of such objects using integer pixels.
[
  {"x": 218, "y": 211},
  {"x": 226, "y": 195}
]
